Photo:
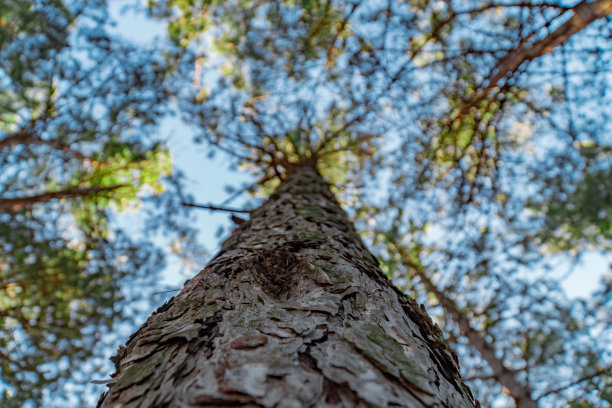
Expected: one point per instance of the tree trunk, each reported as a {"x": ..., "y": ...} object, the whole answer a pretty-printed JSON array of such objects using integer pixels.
[{"x": 293, "y": 312}]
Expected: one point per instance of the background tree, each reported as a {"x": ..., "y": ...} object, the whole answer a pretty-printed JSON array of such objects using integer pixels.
[
  {"x": 76, "y": 107},
  {"x": 479, "y": 156}
]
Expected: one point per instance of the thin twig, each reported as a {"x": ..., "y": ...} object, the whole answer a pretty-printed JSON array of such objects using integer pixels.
[
  {"x": 166, "y": 291},
  {"x": 215, "y": 208}
]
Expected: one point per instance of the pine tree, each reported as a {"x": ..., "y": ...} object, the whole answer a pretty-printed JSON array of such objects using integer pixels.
[{"x": 294, "y": 311}]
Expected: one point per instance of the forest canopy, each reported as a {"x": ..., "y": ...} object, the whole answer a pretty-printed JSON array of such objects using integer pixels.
[{"x": 470, "y": 141}]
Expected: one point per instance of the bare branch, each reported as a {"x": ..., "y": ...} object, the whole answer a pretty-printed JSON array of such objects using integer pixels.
[
  {"x": 215, "y": 208},
  {"x": 584, "y": 14}
]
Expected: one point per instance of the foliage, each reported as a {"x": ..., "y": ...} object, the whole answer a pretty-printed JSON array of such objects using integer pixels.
[{"x": 77, "y": 105}]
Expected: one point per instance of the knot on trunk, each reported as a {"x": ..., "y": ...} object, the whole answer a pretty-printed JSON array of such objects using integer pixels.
[{"x": 274, "y": 269}]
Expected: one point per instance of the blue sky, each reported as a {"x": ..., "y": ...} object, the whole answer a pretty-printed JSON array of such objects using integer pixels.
[{"x": 208, "y": 177}]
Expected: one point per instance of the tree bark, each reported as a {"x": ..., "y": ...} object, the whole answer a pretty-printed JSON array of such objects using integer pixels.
[{"x": 293, "y": 312}]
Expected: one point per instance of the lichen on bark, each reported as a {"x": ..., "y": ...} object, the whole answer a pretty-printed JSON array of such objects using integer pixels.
[{"x": 293, "y": 312}]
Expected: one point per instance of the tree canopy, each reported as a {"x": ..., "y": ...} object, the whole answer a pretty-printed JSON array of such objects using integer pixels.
[{"x": 469, "y": 140}]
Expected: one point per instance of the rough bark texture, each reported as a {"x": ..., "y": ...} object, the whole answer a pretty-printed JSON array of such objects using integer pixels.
[{"x": 293, "y": 312}]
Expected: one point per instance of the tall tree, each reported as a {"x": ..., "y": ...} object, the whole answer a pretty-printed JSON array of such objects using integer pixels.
[{"x": 293, "y": 311}]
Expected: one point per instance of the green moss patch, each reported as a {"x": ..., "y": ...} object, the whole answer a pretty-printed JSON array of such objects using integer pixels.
[
  {"x": 139, "y": 372},
  {"x": 383, "y": 351}
]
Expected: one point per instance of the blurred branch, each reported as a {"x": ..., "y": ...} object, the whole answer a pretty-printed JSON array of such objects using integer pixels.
[
  {"x": 502, "y": 374},
  {"x": 16, "y": 204},
  {"x": 604, "y": 370},
  {"x": 479, "y": 377},
  {"x": 26, "y": 137}
]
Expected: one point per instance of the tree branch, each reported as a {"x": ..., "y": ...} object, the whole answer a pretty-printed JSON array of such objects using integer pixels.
[
  {"x": 26, "y": 137},
  {"x": 502, "y": 374},
  {"x": 584, "y": 14},
  {"x": 215, "y": 208},
  {"x": 579, "y": 380},
  {"x": 16, "y": 204}
]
